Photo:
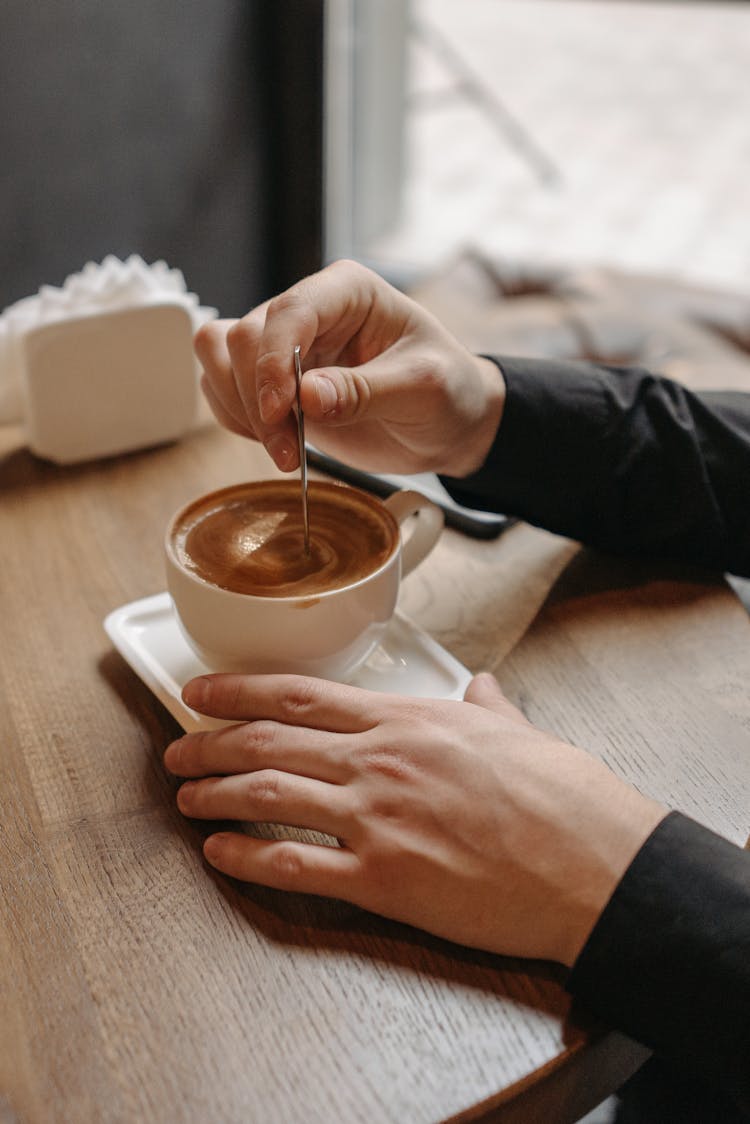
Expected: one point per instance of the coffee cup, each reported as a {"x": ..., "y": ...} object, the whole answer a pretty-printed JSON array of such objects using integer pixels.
[{"x": 249, "y": 598}]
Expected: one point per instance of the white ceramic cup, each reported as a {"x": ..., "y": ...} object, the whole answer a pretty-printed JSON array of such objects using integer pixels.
[{"x": 328, "y": 634}]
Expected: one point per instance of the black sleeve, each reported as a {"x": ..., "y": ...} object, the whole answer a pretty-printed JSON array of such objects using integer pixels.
[
  {"x": 621, "y": 459},
  {"x": 668, "y": 961}
]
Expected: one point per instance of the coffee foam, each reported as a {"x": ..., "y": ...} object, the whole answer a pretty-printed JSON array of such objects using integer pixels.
[{"x": 250, "y": 538}]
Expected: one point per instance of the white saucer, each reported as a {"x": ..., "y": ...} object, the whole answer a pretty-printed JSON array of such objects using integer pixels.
[{"x": 148, "y": 637}]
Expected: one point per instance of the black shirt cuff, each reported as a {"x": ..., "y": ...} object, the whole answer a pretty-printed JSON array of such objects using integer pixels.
[
  {"x": 668, "y": 961},
  {"x": 621, "y": 459}
]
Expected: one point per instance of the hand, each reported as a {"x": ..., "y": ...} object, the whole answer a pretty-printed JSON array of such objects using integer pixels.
[
  {"x": 458, "y": 817},
  {"x": 386, "y": 387}
]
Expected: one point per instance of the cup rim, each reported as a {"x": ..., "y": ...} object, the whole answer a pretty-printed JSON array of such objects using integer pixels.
[{"x": 319, "y": 485}]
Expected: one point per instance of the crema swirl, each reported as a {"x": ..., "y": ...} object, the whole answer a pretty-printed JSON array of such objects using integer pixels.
[{"x": 249, "y": 538}]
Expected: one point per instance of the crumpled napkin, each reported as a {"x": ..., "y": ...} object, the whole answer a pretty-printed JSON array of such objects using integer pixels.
[{"x": 104, "y": 287}]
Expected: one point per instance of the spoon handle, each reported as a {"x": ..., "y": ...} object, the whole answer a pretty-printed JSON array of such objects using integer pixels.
[{"x": 302, "y": 449}]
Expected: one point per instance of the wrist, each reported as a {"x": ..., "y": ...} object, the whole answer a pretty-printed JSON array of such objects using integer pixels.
[
  {"x": 631, "y": 824},
  {"x": 484, "y": 426}
]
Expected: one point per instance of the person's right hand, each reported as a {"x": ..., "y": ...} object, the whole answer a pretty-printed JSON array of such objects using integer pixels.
[
  {"x": 386, "y": 387},
  {"x": 458, "y": 817}
]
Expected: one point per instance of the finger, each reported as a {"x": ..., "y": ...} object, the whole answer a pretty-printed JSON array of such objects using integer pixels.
[
  {"x": 210, "y": 343},
  {"x": 269, "y": 796},
  {"x": 304, "y": 314},
  {"x": 484, "y": 690},
  {"x": 285, "y": 864},
  {"x": 260, "y": 397},
  {"x": 295, "y": 700},
  {"x": 250, "y": 746},
  {"x": 377, "y": 389},
  {"x": 218, "y": 382},
  {"x": 323, "y": 314},
  {"x": 222, "y": 415},
  {"x": 281, "y": 438}
]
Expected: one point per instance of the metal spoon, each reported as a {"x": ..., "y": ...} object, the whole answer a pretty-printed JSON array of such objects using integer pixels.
[{"x": 302, "y": 450}]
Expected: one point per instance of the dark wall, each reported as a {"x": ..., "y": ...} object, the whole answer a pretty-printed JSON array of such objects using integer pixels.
[{"x": 147, "y": 127}]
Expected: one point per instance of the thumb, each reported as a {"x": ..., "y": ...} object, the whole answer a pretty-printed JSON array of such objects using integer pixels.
[
  {"x": 484, "y": 690},
  {"x": 341, "y": 395}
]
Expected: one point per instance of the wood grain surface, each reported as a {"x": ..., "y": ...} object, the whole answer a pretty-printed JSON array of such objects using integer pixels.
[{"x": 137, "y": 984}]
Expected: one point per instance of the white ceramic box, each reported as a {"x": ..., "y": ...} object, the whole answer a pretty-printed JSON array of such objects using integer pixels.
[{"x": 96, "y": 385}]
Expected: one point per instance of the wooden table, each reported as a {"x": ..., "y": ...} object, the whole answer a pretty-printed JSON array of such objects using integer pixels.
[{"x": 137, "y": 984}]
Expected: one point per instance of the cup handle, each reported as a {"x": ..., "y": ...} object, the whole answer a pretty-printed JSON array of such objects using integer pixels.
[{"x": 426, "y": 530}]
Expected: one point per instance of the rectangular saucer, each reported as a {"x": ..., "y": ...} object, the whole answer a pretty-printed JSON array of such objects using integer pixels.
[{"x": 146, "y": 634}]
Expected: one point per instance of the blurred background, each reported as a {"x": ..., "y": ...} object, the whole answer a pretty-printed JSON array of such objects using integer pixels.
[
  {"x": 249, "y": 142},
  {"x": 569, "y": 133}
]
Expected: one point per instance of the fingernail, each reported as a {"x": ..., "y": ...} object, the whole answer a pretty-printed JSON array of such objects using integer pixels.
[
  {"x": 281, "y": 450},
  {"x": 269, "y": 401},
  {"x": 184, "y": 794},
  {"x": 328, "y": 398},
  {"x": 213, "y": 846},
  {"x": 196, "y": 693},
  {"x": 172, "y": 756}
]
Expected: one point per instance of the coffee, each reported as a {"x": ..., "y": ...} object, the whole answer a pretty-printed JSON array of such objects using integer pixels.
[
  {"x": 321, "y": 615},
  {"x": 249, "y": 538}
]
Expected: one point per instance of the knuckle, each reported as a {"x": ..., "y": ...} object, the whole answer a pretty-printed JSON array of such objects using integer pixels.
[
  {"x": 264, "y": 789},
  {"x": 300, "y": 697},
  {"x": 387, "y": 761},
  {"x": 257, "y": 737},
  {"x": 361, "y": 394},
  {"x": 269, "y": 365},
  {"x": 285, "y": 864},
  {"x": 283, "y": 303},
  {"x": 293, "y": 302},
  {"x": 239, "y": 336},
  {"x": 350, "y": 267}
]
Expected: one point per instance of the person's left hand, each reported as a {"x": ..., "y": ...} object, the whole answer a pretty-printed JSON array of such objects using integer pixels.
[
  {"x": 386, "y": 387},
  {"x": 458, "y": 817}
]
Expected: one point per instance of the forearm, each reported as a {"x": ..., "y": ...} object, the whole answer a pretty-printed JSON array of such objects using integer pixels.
[
  {"x": 621, "y": 459},
  {"x": 669, "y": 959}
]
